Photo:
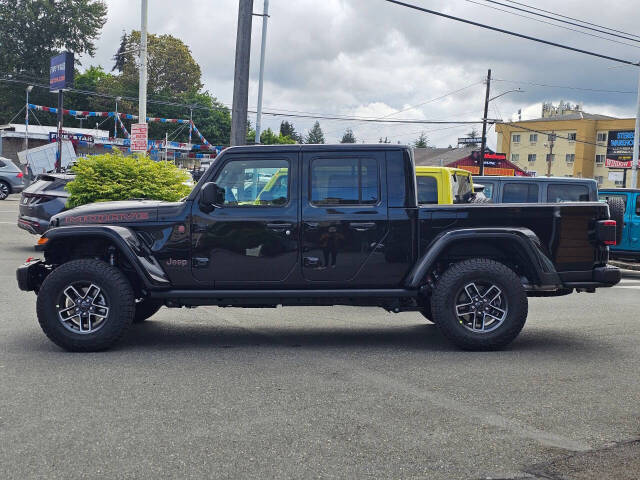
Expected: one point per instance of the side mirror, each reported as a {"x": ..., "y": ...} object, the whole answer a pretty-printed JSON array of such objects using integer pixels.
[
  {"x": 211, "y": 196},
  {"x": 477, "y": 188}
]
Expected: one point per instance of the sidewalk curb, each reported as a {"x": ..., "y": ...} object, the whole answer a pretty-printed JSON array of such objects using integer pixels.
[{"x": 625, "y": 265}]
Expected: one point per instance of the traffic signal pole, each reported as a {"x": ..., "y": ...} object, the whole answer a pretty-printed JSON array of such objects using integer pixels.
[{"x": 484, "y": 123}]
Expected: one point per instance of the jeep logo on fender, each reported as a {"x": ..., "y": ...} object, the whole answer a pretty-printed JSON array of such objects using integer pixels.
[{"x": 108, "y": 218}]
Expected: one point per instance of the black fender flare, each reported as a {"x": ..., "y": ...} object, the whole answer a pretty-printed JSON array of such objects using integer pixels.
[
  {"x": 525, "y": 240},
  {"x": 125, "y": 240}
]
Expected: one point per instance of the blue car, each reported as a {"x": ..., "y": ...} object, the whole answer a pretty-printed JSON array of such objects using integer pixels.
[{"x": 629, "y": 200}]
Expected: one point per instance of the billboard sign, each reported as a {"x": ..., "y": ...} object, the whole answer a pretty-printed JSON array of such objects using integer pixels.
[
  {"x": 139, "y": 137},
  {"x": 613, "y": 163},
  {"x": 469, "y": 141},
  {"x": 78, "y": 137},
  {"x": 61, "y": 72},
  {"x": 620, "y": 145}
]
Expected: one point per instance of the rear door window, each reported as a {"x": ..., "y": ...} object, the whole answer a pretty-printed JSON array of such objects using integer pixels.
[
  {"x": 567, "y": 193},
  {"x": 349, "y": 181},
  {"x": 427, "y": 190},
  {"x": 520, "y": 192}
]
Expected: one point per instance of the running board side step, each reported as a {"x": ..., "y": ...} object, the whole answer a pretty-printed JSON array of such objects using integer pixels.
[{"x": 275, "y": 294}]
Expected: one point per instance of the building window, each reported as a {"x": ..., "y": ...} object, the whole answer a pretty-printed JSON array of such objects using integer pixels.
[
  {"x": 568, "y": 176},
  {"x": 571, "y": 137},
  {"x": 602, "y": 136},
  {"x": 599, "y": 179},
  {"x": 570, "y": 157},
  {"x": 533, "y": 138},
  {"x": 619, "y": 183},
  {"x": 531, "y": 158},
  {"x": 551, "y": 158},
  {"x": 600, "y": 160},
  {"x": 515, "y": 138},
  {"x": 515, "y": 157}
]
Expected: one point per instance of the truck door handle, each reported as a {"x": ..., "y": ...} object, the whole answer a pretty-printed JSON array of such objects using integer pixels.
[
  {"x": 278, "y": 226},
  {"x": 362, "y": 226},
  {"x": 311, "y": 225}
]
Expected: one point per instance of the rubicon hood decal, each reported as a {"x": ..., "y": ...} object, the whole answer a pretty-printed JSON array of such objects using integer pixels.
[{"x": 106, "y": 218}]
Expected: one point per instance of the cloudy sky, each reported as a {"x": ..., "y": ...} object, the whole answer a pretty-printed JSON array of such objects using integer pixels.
[{"x": 372, "y": 58}]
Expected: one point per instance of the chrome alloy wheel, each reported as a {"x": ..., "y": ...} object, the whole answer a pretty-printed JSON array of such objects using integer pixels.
[
  {"x": 83, "y": 308},
  {"x": 481, "y": 307},
  {"x": 4, "y": 191}
]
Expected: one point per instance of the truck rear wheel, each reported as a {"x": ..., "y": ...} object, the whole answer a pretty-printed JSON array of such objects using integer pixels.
[
  {"x": 479, "y": 304},
  {"x": 85, "y": 305}
]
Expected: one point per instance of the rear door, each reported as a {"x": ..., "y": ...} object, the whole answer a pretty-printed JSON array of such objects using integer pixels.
[{"x": 344, "y": 217}]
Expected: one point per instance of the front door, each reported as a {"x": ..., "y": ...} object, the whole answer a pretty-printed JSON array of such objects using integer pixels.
[
  {"x": 344, "y": 217},
  {"x": 253, "y": 237}
]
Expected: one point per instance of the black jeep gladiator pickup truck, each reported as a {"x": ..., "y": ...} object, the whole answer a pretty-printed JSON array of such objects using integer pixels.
[{"x": 314, "y": 225}]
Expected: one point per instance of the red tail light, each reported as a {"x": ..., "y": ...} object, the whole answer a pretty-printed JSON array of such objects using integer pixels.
[
  {"x": 20, "y": 175},
  {"x": 607, "y": 232}
]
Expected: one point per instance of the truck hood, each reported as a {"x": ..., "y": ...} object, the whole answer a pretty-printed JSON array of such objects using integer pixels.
[{"x": 130, "y": 211}]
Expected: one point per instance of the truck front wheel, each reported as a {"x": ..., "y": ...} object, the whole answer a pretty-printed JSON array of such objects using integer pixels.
[
  {"x": 85, "y": 305},
  {"x": 479, "y": 304}
]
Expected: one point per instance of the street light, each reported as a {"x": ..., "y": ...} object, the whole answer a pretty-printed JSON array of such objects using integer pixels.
[
  {"x": 517, "y": 90},
  {"x": 115, "y": 123},
  {"x": 26, "y": 119}
]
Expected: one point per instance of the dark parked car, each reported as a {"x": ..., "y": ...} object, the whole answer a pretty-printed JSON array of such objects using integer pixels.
[
  {"x": 11, "y": 178},
  {"x": 41, "y": 200},
  {"x": 335, "y": 225},
  {"x": 538, "y": 189}
]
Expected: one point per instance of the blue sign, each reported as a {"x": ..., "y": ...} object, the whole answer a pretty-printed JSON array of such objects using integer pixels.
[{"x": 61, "y": 71}]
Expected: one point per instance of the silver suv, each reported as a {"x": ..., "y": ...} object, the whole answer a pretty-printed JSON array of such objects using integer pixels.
[{"x": 11, "y": 178}]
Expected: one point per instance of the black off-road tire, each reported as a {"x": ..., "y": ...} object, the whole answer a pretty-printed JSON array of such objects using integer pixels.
[
  {"x": 115, "y": 286},
  {"x": 616, "y": 212},
  {"x": 443, "y": 303},
  {"x": 146, "y": 309}
]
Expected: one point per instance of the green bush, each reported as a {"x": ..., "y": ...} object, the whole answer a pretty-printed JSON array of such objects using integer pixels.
[{"x": 114, "y": 176}]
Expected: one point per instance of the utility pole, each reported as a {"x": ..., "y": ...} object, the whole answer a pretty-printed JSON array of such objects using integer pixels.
[
  {"x": 60, "y": 103},
  {"x": 484, "y": 123},
  {"x": 265, "y": 16},
  {"x": 636, "y": 141},
  {"x": 26, "y": 120},
  {"x": 142, "y": 92},
  {"x": 241, "y": 76},
  {"x": 552, "y": 139}
]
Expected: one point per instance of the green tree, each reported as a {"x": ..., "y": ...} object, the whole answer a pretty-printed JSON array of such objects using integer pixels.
[
  {"x": 32, "y": 31},
  {"x": 348, "y": 137},
  {"x": 287, "y": 129},
  {"x": 171, "y": 68},
  {"x": 422, "y": 141},
  {"x": 315, "y": 135},
  {"x": 114, "y": 176},
  {"x": 268, "y": 137},
  {"x": 474, "y": 133}
]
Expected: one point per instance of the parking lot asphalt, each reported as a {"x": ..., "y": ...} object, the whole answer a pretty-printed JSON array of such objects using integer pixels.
[{"x": 337, "y": 392}]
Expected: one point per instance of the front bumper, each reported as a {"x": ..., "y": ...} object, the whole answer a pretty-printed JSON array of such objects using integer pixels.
[{"x": 31, "y": 274}]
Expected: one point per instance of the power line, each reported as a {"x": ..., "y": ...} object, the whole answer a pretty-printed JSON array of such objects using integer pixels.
[
  {"x": 521, "y": 82},
  {"x": 572, "y": 18},
  {"x": 508, "y": 32},
  {"x": 564, "y": 21},
  {"x": 554, "y": 24}
]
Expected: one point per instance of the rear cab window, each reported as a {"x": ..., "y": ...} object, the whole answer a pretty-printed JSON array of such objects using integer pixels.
[
  {"x": 520, "y": 192},
  {"x": 427, "y": 190},
  {"x": 567, "y": 193}
]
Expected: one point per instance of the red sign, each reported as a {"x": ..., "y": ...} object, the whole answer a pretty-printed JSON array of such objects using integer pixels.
[
  {"x": 612, "y": 163},
  {"x": 495, "y": 156},
  {"x": 139, "y": 137}
]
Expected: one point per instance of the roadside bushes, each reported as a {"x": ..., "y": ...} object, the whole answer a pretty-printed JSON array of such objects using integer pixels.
[{"x": 114, "y": 176}]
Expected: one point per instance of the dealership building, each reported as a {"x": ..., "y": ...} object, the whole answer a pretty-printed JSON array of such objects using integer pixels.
[{"x": 584, "y": 144}]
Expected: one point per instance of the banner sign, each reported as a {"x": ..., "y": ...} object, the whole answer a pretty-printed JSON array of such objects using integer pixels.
[
  {"x": 139, "y": 137},
  {"x": 620, "y": 145},
  {"x": 469, "y": 141},
  {"x": 61, "y": 72},
  {"x": 613, "y": 163}
]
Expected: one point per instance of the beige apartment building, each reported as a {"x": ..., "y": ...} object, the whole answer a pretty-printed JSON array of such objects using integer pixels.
[{"x": 584, "y": 144}]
